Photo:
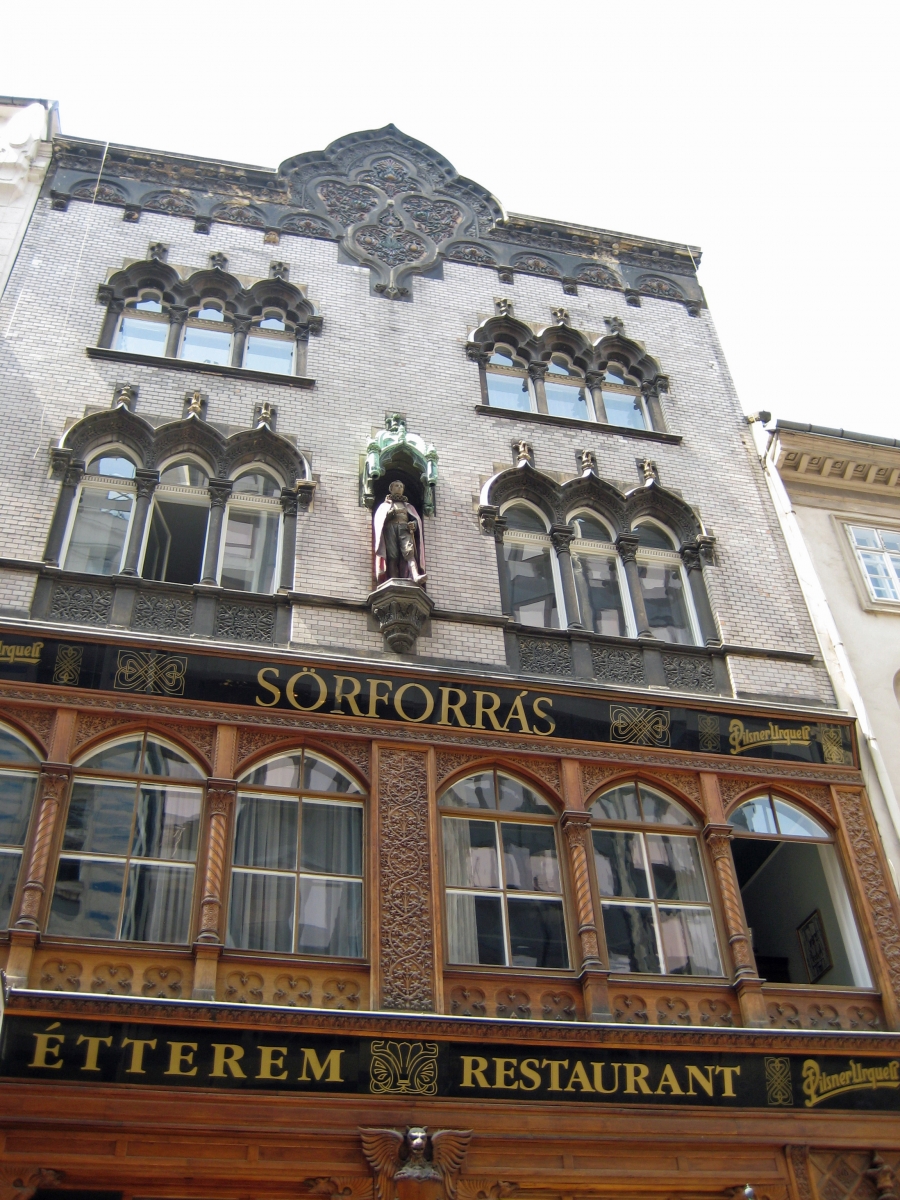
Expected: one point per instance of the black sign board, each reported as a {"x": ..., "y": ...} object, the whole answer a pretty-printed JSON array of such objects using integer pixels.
[
  {"x": 542, "y": 712},
  {"x": 116, "y": 1052}
]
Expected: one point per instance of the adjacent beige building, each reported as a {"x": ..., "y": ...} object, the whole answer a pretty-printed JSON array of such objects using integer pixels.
[{"x": 26, "y": 133}]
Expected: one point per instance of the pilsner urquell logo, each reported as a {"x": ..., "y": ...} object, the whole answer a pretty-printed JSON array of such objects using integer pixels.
[
  {"x": 740, "y": 738},
  {"x": 819, "y": 1086},
  {"x": 11, "y": 654}
]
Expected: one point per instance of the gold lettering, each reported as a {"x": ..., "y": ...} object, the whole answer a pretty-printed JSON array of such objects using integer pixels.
[
  {"x": 181, "y": 1054},
  {"x": 579, "y": 1075},
  {"x": 517, "y": 712},
  {"x": 695, "y": 1075},
  {"x": 473, "y": 1076},
  {"x": 44, "y": 1046},
  {"x": 270, "y": 687},
  {"x": 539, "y": 712},
  {"x": 504, "y": 1069},
  {"x": 374, "y": 697},
  {"x": 598, "y": 1078},
  {"x": 93, "y": 1049},
  {"x": 555, "y": 1065},
  {"x": 291, "y": 694},
  {"x": 222, "y": 1059},
  {"x": 526, "y": 1069},
  {"x": 350, "y": 697},
  {"x": 483, "y": 710},
  {"x": 447, "y": 708},
  {"x": 269, "y": 1057},
  {"x": 636, "y": 1073},
  {"x": 729, "y": 1073},
  {"x": 332, "y": 1065},
  {"x": 398, "y": 702},
  {"x": 667, "y": 1079},
  {"x": 136, "y": 1066}
]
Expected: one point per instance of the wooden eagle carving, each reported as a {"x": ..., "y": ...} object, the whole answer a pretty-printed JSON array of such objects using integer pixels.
[{"x": 415, "y": 1155}]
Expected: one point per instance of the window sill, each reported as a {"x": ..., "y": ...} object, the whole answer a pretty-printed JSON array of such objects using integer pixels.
[
  {"x": 182, "y": 364},
  {"x": 512, "y": 414}
]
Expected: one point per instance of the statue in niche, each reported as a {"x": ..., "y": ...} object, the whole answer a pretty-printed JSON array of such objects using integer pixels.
[{"x": 397, "y": 536}]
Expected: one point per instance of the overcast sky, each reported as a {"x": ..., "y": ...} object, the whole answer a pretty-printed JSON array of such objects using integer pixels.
[{"x": 765, "y": 133}]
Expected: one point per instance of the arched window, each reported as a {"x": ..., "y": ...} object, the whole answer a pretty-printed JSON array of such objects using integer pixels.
[
  {"x": 144, "y": 326},
  {"x": 564, "y": 387},
  {"x": 207, "y": 336},
  {"x": 656, "y": 910},
  {"x": 297, "y": 878},
  {"x": 100, "y": 519},
  {"x": 507, "y": 381},
  {"x": 271, "y": 345},
  {"x": 176, "y": 531},
  {"x": 501, "y": 874},
  {"x": 667, "y": 597},
  {"x": 532, "y": 573},
  {"x": 127, "y": 863},
  {"x": 623, "y": 400},
  {"x": 795, "y": 897},
  {"x": 18, "y": 783},
  {"x": 599, "y": 583},
  {"x": 252, "y": 541}
]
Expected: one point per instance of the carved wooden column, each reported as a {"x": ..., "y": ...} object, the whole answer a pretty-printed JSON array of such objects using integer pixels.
[
  {"x": 627, "y": 544},
  {"x": 594, "y": 380},
  {"x": 594, "y": 978},
  {"x": 146, "y": 482},
  {"x": 537, "y": 372},
  {"x": 71, "y": 473},
  {"x": 220, "y": 800},
  {"x": 747, "y": 981},
  {"x": 405, "y": 962},
  {"x": 561, "y": 537},
  {"x": 219, "y": 491}
]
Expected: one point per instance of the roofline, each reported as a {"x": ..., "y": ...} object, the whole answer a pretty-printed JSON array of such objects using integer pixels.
[{"x": 846, "y": 435}]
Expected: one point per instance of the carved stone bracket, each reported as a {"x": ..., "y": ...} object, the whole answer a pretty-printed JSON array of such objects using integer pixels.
[{"x": 401, "y": 609}]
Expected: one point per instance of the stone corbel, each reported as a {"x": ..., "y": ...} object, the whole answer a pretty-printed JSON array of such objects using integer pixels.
[
  {"x": 491, "y": 522},
  {"x": 400, "y": 608}
]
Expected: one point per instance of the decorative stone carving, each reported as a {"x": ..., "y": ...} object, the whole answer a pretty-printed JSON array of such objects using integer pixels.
[
  {"x": 294, "y": 991},
  {"x": 395, "y": 446},
  {"x": 513, "y": 1003},
  {"x": 599, "y": 277},
  {"x": 239, "y": 214},
  {"x": 624, "y": 667},
  {"x": 162, "y": 614},
  {"x": 653, "y": 285},
  {"x": 689, "y": 674},
  {"x": 475, "y": 255},
  {"x": 58, "y": 975},
  {"x": 81, "y": 604},
  {"x": 340, "y": 993},
  {"x": 162, "y": 982},
  {"x": 407, "y": 937},
  {"x": 390, "y": 175},
  {"x": 558, "y": 1006},
  {"x": 99, "y": 193},
  {"x": 245, "y": 622},
  {"x": 304, "y": 226},
  {"x": 401, "y": 609},
  {"x": 436, "y": 218},
  {"x": 244, "y": 987},
  {"x": 170, "y": 203},
  {"x": 348, "y": 205},
  {"x": 533, "y": 264},
  {"x": 545, "y": 656},
  {"x": 416, "y": 1156},
  {"x": 389, "y": 242},
  {"x": 466, "y": 1001},
  {"x": 112, "y": 979}
]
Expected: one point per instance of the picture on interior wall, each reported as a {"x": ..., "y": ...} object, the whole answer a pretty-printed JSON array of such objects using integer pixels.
[{"x": 814, "y": 945}]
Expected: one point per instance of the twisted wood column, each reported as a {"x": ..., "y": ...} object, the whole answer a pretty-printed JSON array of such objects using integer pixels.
[
  {"x": 220, "y": 797},
  {"x": 52, "y": 784},
  {"x": 576, "y": 826},
  {"x": 747, "y": 981}
]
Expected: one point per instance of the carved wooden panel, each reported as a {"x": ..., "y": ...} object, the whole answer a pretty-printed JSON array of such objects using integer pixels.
[
  {"x": 593, "y": 775},
  {"x": 354, "y": 752},
  {"x": 799, "y": 1010},
  {"x": 449, "y": 761},
  {"x": 114, "y": 972},
  {"x": 91, "y": 724},
  {"x": 38, "y": 720},
  {"x": 862, "y": 839},
  {"x": 658, "y": 1004},
  {"x": 817, "y": 794},
  {"x": 731, "y": 786},
  {"x": 545, "y": 768},
  {"x": 251, "y": 741},
  {"x": 845, "y": 1175},
  {"x": 301, "y": 985},
  {"x": 534, "y": 1000},
  {"x": 407, "y": 936},
  {"x": 201, "y": 737},
  {"x": 686, "y": 783}
]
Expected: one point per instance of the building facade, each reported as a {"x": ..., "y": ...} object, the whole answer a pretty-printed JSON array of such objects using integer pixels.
[
  {"x": 420, "y": 777},
  {"x": 27, "y": 128}
]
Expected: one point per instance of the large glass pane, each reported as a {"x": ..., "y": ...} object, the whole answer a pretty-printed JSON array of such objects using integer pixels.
[
  {"x": 755, "y": 816},
  {"x": 675, "y": 864},
  {"x": 160, "y": 759},
  {"x": 157, "y": 903},
  {"x": 330, "y": 917},
  {"x": 98, "y": 535},
  {"x": 618, "y": 804},
  {"x": 275, "y": 355},
  {"x": 176, "y": 541},
  {"x": 12, "y": 750},
  {"x": 793, "y": 822},
  {"x": 185, "y": 474},
  {"x": 331, "y": 838},
  {"x": 516, "y": 797},
  {"x": 470, "y": 853},
  {"x": 599, "y": 593},
  {"x": 664, "y": 599},
  {"x": 565, "y": 400},
  {"x": 9, "y": 873},
  {"x": 167, "y": 824},
  {"x": 477, "y": 791},
  {"x": 529, "y": 858},
  {"x": 689, "y": 941},
  {"x": 261, "y": 913},
  {"x": 508, "y": 391},
  {"x": 256, "y": 483},
  {"x": 266, "y": 832},
  {"x": 532, "y": 593},
  {"x": 537, "y": 933},
  {"x": 622, "y": 408},
  {"x": 590, "y": 529},
  {"x": 100, "y": 817},
  {"x": 878, "y": 575},
  {"x": 661, "y": 810},
  {"x": 890, "y": 539},
  {"x": 16, "y": 798},
  {"x": 86, "y": 898},
  {"x": 619, "y": 858},
  {"x": 122, "y": 756},
  {"x": 630, "y": 938},
  {"x": 283, "y": 772},
  {"x": 520, "y": 516},
  {"x": 475, "y": 929},
  {"x": 865, "y": 537},
  {"x": 251, "y": 548},
  {"x": 143, "y": 337},
  {"x": 319, "y": 775},
  {"x": 206, "y": 346}
]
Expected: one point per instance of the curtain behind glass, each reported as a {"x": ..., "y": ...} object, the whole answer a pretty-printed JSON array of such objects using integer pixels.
[
  {"x": 157, "y": 903},
  {"x": 266, "y": 832},
  {"x": 330, "y": 917},
  {"x": 689, "y": 941},
  {"x": 331, "y": 838},
  {"x": 261, "y": 913}
]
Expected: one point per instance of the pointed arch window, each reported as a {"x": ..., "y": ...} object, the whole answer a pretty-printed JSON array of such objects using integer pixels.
[
  {"x": 503, "y": 884},
  {"x": 667, "y": 597},
  {"x": 297, "y": 876},
  {"x": 795, "y": 896},
  {"x": 144, "y": 326},
  {"x": 654, "y": 897},
  {"x": 101, "y": 516},
  {"x": 18, "y": 784},
  {"x": 530, "y": 567},
  {"x": 599, "y": 580},
  {"x": 127, "y": 864}
]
